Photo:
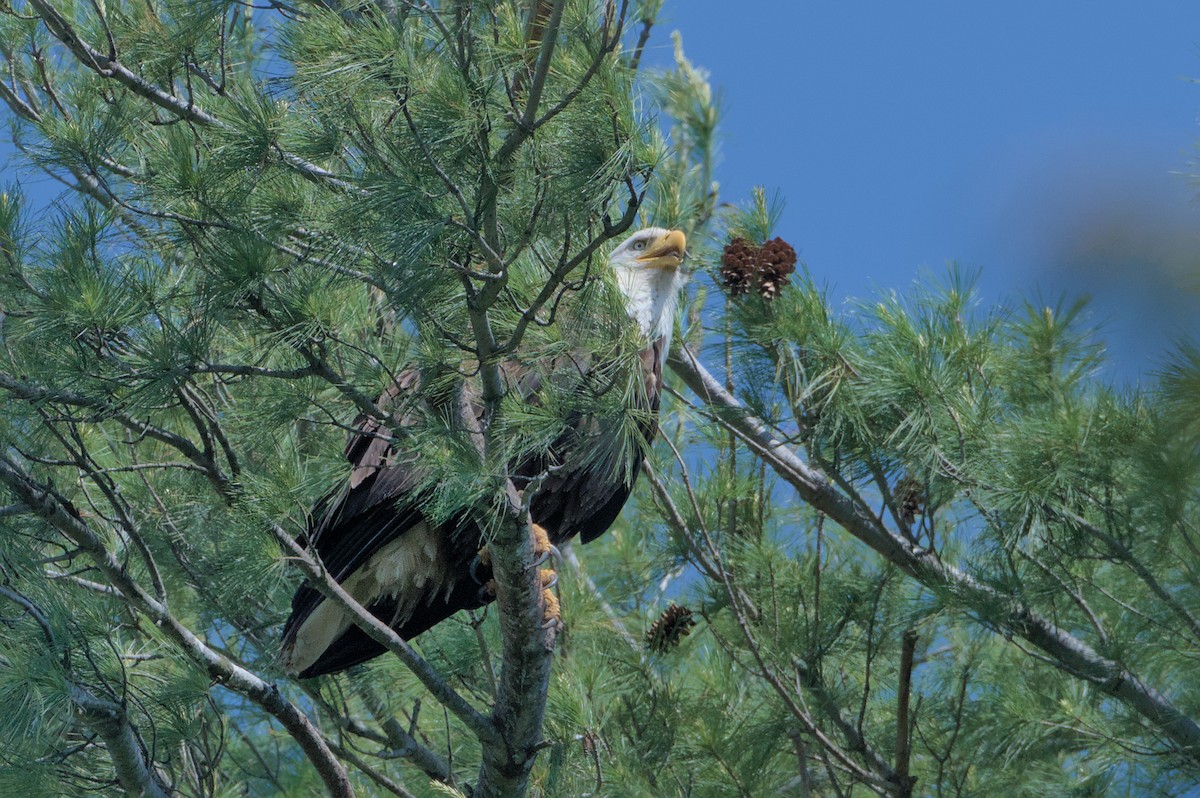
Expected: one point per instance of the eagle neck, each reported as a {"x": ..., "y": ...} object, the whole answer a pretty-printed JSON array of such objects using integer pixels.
[{"x": 652, "y": 296}]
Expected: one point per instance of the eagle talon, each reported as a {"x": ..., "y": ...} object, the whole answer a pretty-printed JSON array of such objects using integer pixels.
[
  {"x": 483, "y": 557},
  {"x": 555, "y": 554},
  {"x": 543, "y": 549},
  {"x": 541, "y": 539},
  {"x": 551, "y": 611}
]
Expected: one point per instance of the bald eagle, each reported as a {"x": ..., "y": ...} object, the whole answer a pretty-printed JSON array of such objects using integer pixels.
[{"x": 413, "y": 571}]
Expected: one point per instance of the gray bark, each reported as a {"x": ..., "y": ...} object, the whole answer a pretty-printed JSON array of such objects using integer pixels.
[
  {"x": 525, "y": 671},
  {"x": 1067, "y": 652},
  {"x": 135, "y": 772}
]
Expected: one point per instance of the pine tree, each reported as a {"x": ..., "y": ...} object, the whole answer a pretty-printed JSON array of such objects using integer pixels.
[{"x": 920, "y": 547}]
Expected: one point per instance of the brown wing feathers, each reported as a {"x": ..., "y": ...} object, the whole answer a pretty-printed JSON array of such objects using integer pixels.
[{"x": 373, "y": 538}]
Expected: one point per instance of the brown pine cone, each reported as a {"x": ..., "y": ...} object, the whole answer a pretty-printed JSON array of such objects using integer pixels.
[
  {"x": 669, "y": 629},
  {"x": 738, "y": 266},
  {"x": 909, "y": 494},
  {"x": 776, "y": 261}
]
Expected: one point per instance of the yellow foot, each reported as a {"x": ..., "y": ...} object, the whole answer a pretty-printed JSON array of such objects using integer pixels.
[
  {"x": 551, "y": 611},
  {"x": 541, "y": 548},
  {"x": 541, "y": 541}
]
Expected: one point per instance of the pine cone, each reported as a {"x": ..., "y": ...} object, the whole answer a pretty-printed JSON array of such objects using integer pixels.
[
  {"x": 910, "y": 498},
  {"x": 591, "y": 742},
  {"x": 776, "y": 260},
  {"x": 670, "y": 628},
  {"x": 738, "y": 266}
]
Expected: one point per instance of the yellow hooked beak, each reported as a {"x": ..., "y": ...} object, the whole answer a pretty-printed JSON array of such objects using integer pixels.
[{"x": 667, "y": 252}]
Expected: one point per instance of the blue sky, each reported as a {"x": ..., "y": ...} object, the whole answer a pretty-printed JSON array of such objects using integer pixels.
[{"x": 1045, "y": 144}]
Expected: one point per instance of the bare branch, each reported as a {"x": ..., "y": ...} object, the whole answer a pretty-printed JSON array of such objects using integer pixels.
[
  {"x": 525, "y": 127},
  {"x": 903, "y": 748},
  {"x": 374, "y": 774},
  {"x": 402, "y": 742},
  {"x": 13, "y": 509}
]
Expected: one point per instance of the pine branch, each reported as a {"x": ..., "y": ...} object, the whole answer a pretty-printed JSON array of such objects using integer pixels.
[
  {"x": 610, "y": 612},
  {"x": 566, "y": 266},
  {"x": 374, "y": 774},
  {"x": 677, "y": 522},
  {"x": 59, "y": 513},
  {"x": 86, "y": 465},
  {"x": 547, "y": 36},
  {"x": 37, "y": 394},
  {"x": 635, "y": 58},
  {"x": 1063, "y": 649},
  {"x": 879, "y": 775},
  {"x": 1122, "y": 554},
  {"x": 107, "y": 66},
  {"x": 402, "y": 742},
  {"x": 130, "y": 758},
  {"x": 903, "y": 743},
  {"x": 109, "y": 719},
  {"x": 610, "y": 39},
  {"x": 852, "y": 733}
]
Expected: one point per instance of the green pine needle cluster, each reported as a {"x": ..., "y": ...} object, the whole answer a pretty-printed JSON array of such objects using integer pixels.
[{"x": 271, "y": 214}]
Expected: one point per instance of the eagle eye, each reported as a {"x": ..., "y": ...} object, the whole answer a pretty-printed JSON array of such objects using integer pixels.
[{"x": 640, "y": 243}]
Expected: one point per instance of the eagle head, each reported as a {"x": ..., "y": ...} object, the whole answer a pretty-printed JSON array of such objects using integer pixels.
[{"x": 647, "y": 269}]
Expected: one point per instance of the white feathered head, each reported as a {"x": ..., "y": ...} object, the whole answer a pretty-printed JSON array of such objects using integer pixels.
[{"x": 647, "y": 267}]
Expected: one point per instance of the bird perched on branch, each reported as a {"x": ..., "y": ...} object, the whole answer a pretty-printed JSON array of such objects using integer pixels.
[{"x": 413, "y": 568}]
